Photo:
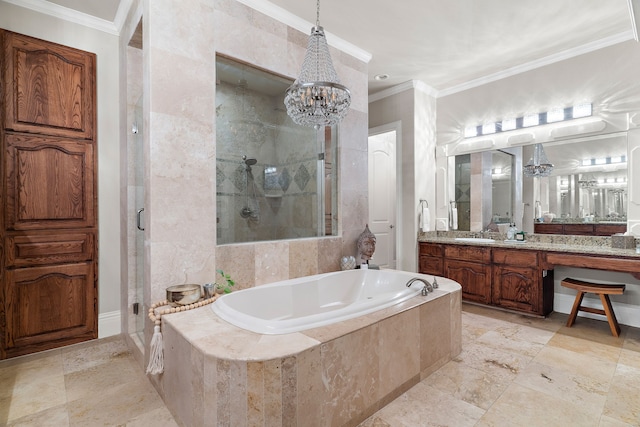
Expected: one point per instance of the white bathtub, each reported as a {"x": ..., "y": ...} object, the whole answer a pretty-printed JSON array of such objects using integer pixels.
[{"x": 313, "y": 301}]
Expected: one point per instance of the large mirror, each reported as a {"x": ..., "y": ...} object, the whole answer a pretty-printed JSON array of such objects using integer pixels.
[
  {"x": 487, "y": 189},
  {"x": 587, "y": 185},
  {"x": 274, "y": 179}
]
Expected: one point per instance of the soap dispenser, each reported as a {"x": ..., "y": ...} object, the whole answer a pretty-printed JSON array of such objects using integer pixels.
[{"x": 511, "y": 232}]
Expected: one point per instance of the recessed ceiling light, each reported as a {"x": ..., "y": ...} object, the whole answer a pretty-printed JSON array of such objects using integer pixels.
[{"x": 381, "y": 76}]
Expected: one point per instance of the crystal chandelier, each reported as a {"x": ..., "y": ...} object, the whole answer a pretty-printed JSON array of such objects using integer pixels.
[
  {"x": 538, "y": 165},
  {"x": 317, "y": 98}
]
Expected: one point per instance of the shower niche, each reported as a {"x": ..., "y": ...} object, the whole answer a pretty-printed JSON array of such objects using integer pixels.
[{"x": 274, "y": 179}]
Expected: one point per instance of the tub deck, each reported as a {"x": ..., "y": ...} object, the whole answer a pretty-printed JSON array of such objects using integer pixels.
[{"x": 334, "y": 375}]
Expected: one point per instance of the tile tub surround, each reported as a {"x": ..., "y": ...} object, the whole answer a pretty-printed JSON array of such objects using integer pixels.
[{"x": 336, "y": 375}]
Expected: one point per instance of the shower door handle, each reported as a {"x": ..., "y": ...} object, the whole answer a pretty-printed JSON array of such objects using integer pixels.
[{"x": 139, "y": 219}]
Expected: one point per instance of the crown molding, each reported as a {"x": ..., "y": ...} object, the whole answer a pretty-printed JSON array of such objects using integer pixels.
[
  {"x": 287, "y": 18},
  {"x": 548, "y": 60},
  {"x": 394, "y": 90},
  {"x": 66, "y": 14}
]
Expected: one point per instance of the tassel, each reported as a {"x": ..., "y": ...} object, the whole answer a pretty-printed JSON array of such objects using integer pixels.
[{"x": 156, "y": 354}]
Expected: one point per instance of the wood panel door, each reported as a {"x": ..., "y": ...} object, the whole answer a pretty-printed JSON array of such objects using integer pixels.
[
  {"x": 48, "y": 88},
  {"x": 49, "y": 305},
  {"x": 50, "y": 183},
  {"x": 48, "y": 225}
]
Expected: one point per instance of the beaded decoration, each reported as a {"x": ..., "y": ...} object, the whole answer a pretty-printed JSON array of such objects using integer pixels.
[{"x": 156, "y": 349}]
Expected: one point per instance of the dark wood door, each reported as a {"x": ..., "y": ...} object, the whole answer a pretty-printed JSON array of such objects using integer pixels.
[
  {"x": 49, "y": 89},
  {"x": 49, "y": 218},
  {"x": 517, "y": 288},
  {"x": 473, "y": 277}
]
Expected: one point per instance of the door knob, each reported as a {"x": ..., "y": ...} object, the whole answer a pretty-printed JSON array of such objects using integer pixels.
[{"x": 391, "y": 226}]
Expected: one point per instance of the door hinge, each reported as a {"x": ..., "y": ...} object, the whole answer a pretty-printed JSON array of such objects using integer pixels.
[{"x": 320, "y": 156}]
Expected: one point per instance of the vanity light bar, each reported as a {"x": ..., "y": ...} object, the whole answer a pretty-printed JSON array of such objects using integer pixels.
[
  {"x": 552, "y": 116},
  {"x": 604, "y": 161}
]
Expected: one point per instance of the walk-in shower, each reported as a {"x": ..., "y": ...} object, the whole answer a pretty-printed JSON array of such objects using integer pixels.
[{"x": 274, "y": 179}]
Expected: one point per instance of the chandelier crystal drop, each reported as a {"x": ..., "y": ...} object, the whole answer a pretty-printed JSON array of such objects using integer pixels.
[
  {"x": 538, "y": 165},
  {"x": 317, "y": 98}
]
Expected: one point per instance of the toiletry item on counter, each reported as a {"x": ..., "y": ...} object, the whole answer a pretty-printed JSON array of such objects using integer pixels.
[
  {"x": 520, "y": 236},
  {"x": 511, "y": 232}
]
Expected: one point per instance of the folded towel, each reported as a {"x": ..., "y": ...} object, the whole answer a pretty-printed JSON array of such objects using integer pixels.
[
  {"x": 425, "y": 220},
  {"x": 454, "y": 218}
]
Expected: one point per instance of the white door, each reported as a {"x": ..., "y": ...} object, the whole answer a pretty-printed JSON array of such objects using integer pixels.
[{"x": 382, "y": 197}]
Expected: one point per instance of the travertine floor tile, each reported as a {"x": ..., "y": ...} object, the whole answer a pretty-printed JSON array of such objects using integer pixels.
[
  {"x": 521, "y": 406},
  {"x": 57, "y": 416},
  {"x": 97, "y": 379},
  {"x": 114, "y": 406},
  {"x": 577, "y": 363},
  {"x": 424, "y": 405},
  {"x": 585, "y": 346},
  {"x": 623, "y": 401},
  {"x": 160, "y": 417},
  {"x": 471, "y": 385},
  {"x": 32, "y": 396},
  {"x": 564, "y": 385}
]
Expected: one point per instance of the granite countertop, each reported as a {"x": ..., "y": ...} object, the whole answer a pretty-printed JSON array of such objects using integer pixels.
[{"x": 552, "y": 243}]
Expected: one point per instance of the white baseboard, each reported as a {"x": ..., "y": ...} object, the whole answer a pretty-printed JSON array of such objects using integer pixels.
[
  {"x": 626, "y": 314},
  {"x": 109, "y": 324}
]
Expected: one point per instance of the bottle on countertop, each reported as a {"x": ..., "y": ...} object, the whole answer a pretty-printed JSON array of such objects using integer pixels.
[{"x": 511, "y": 232}]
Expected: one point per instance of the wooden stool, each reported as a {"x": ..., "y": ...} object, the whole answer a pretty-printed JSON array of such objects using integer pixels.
[{"x": 603, "y": 291}]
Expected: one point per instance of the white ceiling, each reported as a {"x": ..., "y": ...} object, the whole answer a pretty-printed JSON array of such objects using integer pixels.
[{"x": 450, "y": 44}]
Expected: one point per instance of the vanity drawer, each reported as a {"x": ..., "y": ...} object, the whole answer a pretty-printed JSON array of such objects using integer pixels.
[
  {"x": 431, "y": 249},
  {"x": 579, "y": 229},
  {"x": 546, "y": 228},
  {"x": 515, "y": 257},
  {"x": 468, "y": 253},
  {"x": 40, "y": 248}
]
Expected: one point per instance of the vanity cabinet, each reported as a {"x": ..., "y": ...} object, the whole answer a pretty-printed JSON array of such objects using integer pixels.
[
  {"x": 501, "y": 277},
  {"x": 471, "y": 267},
  {"x": 430, "y": 258},
  {"x": 519, "y": 283},
  {"x": 579, "y": 229}
]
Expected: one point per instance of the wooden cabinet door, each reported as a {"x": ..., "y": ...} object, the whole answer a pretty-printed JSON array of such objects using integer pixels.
[
  {"x": 48, "y": 88},
  {"x": 48, "y": 304},
  {"x": 516, "y": 288},
  {"x": 49, "y": 183},
  {"x": 430, "y": 259},
  {"x": 474, "y": 278}
]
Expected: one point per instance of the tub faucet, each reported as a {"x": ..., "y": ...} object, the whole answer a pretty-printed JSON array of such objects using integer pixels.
[{"x": 427, "y": 286}]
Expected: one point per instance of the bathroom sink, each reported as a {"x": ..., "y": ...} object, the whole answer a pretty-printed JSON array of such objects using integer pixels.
[{"x": 474, "y": 240}]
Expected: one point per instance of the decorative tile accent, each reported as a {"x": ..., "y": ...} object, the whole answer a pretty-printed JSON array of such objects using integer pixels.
[
  {"x": 302, "y": 177},
  {"x": 285, "y": 179}
]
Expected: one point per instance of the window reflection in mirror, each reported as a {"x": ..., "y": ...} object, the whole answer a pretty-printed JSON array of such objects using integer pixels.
[{"x": 274, "y": 178}]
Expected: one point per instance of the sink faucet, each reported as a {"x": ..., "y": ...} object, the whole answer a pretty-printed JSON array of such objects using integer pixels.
[{"x": 428, "y": 287}]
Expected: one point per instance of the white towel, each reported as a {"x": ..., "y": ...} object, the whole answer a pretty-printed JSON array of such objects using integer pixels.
[
  {"x": 425, "y": 219},
  {"x": 454, "y": 218}
]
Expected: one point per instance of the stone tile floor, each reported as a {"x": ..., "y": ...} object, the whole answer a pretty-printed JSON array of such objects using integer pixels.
[{"x": 513, "y": 371}]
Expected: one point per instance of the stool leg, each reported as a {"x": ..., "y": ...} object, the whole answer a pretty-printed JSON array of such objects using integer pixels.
[
  {"x": 574, "y": 310},
  {"x": 611, "y": 316}
]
